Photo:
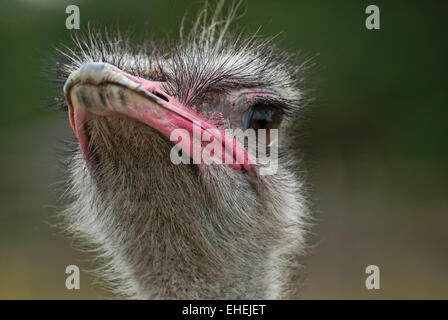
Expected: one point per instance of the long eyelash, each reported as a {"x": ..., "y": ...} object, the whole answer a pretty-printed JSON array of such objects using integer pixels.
[{"x": 277, "y": 103}]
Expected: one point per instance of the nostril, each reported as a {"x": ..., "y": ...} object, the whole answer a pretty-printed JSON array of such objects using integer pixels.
[{"x": 161, "y": 96}]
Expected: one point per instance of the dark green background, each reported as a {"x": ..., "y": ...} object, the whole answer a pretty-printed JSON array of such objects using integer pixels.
[{"x": 375, "y": 139}]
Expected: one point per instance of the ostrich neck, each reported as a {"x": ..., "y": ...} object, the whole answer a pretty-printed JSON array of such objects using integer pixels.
[{"x": 169, "y": 231}]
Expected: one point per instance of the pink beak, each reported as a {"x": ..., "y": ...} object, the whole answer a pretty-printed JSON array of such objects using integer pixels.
[{"x": 102, "y": 89}]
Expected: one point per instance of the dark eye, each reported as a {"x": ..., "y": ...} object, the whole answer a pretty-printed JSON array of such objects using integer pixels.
[{"x": 263, "y": 116}]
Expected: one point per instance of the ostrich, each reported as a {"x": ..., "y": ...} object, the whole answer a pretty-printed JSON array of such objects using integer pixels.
[{"x": 162, "y": 230}]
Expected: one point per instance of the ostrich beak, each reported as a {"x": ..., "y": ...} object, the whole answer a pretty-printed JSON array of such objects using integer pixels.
[{"x": 102, "y": 89}]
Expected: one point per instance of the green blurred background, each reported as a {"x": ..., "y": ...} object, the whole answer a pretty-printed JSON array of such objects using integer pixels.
[{"x": 375, "y": 140}]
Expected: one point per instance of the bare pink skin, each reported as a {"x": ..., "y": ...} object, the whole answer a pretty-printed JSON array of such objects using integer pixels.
[{"x": 164, "y": 116}]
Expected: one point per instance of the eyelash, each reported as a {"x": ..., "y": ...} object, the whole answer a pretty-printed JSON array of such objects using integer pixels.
[{"x": 274, "y": 103}]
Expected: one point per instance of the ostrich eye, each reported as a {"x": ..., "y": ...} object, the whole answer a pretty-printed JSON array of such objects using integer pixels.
[{"x": 263, "y": 116}]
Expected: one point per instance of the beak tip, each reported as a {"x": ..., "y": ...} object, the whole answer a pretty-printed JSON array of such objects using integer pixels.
[{"x": 94, "y": 72}]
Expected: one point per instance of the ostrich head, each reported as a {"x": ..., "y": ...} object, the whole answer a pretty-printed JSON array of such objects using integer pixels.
[{"x": 197, "y": 231}]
